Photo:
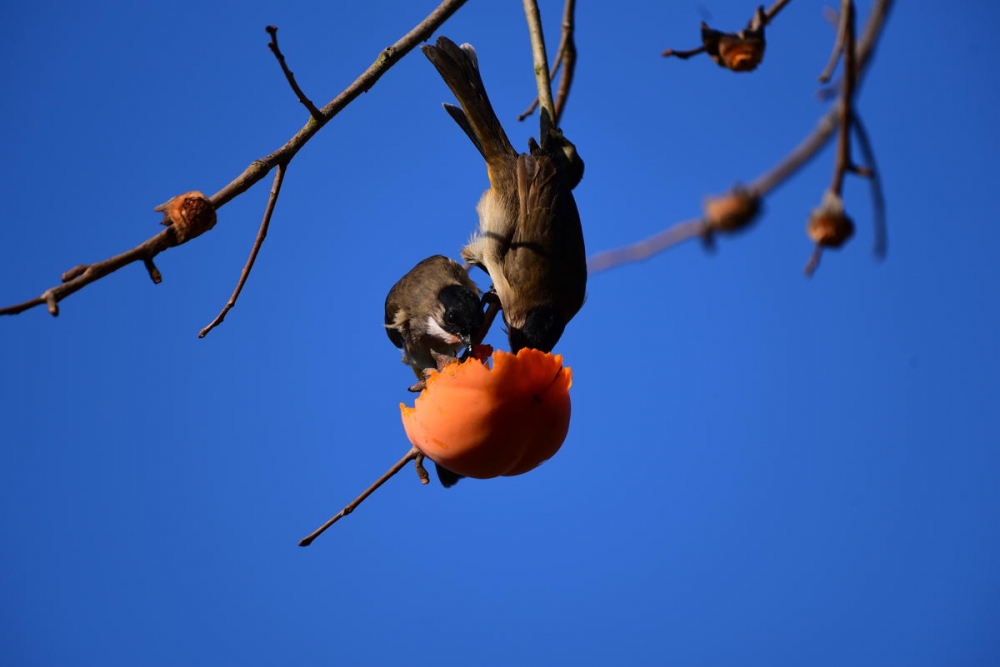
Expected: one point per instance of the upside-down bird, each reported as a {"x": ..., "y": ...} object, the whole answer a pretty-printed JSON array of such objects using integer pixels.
[{"x": 529, "y": 240}]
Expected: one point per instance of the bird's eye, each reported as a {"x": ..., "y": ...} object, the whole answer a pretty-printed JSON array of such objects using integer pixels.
[{"x": 450, "y": 317}]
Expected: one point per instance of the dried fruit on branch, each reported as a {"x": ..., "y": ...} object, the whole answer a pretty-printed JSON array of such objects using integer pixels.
[
  {"x": 738, "y": 51},
  {"x": 190, "y": 214},
  {"x": 829, "y": 226},
  {"x": 732, "y": 211}
]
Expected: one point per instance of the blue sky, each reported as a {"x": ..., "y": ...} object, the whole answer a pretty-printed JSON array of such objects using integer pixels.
[{"x": 761, "y": 469}]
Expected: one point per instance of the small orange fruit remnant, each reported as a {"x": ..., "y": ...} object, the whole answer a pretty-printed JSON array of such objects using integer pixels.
[
  {"x": 737, "y": 51},
  {"x": 740, "y": 55},
  {"x": 488, "y": 422},
  {"x": 829, "y": 226},
  {"x": 190, "y": 214},
  {"x": 732, "y": 211}
]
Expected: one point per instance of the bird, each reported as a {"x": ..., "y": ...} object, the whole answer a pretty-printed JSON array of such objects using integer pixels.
[
  {"x": 529, "y": 239},
  {"x": 432, "y": 313}
]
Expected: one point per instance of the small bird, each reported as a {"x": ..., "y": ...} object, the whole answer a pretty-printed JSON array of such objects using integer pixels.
[
  {"x": 529, "y": 240},
  {"x": 432, "y": 313}
]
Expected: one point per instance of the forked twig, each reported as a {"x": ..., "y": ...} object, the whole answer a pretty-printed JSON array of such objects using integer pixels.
[
  {"x": 279, "y": 177},
  {"x": 256, "y": 171},
  {"x": 565, "y": 58},
  {"x": 541, "y": 60},
  {"x": 769, "y": 180},
  {"x": 844, "y": 163}
]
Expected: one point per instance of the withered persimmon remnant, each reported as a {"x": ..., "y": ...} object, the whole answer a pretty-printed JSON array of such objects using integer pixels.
[
  {"x": 190, "y": 214},
  {"x": 487, "y": 422},
  {"x": 731, "y": 212},
  {"x": 737, "y": 51},
  {"x": 829, "y": 227}
]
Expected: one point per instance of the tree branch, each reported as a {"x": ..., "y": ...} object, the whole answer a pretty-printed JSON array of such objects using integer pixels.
[
  {"x": 881, "y": 244},
  {"x": 548, "y": 112},
  {"x": 565, "y": 57},
  {"x": 272, "y": 30},
  {"x": 412, "y": 455},
  {"x": 258, "y": 169},
  {"x": 279, "y": 177},
  {"x": 769, "y": 180},
  {"x": 844, "y": 163}
]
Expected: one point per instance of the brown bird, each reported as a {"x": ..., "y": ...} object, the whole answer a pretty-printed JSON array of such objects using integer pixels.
[
  {"x": 432, "y": 313},
  {"x": 529, "y": 240}
]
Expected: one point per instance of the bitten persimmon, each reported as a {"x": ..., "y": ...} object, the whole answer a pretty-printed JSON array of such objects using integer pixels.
[{"x": 487, "y": 422}]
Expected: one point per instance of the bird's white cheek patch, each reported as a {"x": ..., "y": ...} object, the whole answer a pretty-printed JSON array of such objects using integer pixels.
[{"x": 434, "y": 329}]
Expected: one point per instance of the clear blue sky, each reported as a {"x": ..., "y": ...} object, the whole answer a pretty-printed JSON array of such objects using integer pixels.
[{"x": 761, "y": 469}]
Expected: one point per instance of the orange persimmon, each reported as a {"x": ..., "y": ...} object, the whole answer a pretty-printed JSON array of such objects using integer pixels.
[{"x": 486, "y": 422}]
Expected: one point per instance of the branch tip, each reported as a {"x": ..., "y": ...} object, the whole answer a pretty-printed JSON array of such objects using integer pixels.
[
  {"x": 154, "y": 273},
  {"x": 75, "y": 272},
  {"x": 399, "y": 465},
  {"x": 52, "y": 303},
  {"x": 272, "y": 30}
]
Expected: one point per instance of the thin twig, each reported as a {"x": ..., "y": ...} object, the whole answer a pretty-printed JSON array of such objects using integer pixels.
[
  {"x": 142, "y": 252},
  {"x": 541, "y": 60},
  {"x": 418, "y": 463},
  {"x": 493, "y": 307},
  {"x": 636, "y": 252},
  {"x": 279, "y": 177},
  {"x": 838, "y": 48},
  {"x": 843, "y": 162},
  {"x": 683, "y": 55},
  {"x": 565, "y": 57},
  {"x": 773, "y": 10},
  {"x": 827, "y": 124},
  {"x": 552, "y": 74},
  {"x": 272, "y": 30},
  {"x": 410, "y": 456},
  {"x": 769, "y": 180},
  {"x": 814, "y": 260},
  {"x": 881, "y": 243},
  {"x": 567, "y": 51},
  {"x": 258, "y": 169}
]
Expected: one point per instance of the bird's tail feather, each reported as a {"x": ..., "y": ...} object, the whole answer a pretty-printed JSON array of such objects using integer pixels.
[{"x": 459, "y": 67}]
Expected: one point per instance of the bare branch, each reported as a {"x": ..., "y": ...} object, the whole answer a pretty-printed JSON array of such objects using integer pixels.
[
  {"x": 881, "y": 244},
  {"x": 411, "y": 455},
  {"x": 636, "y": 252},
  {"x": 773, "y": 10},
  {"x": 279, "y": 177},
  {"x": 556, "y": 64},
  {"x": 565, "y": 57},
  {"x": 541, "y": 59},
  {"x": 838, "y": 48},
  {"x": 769, "y": 180},
  {"x": 272, "y": 30},
  {"x": 683, "y": 55},
  {"x": 814, "y": 259},
  {"x": 844, "y": 163},
  {"x": 142, "y": 252},
  {"x": 827, "y": 124},
  {"x": 258, "y": 169}
]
